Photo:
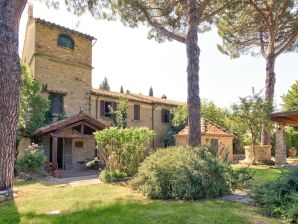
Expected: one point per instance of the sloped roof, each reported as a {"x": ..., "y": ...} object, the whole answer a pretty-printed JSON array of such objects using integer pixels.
[
  {"x": 289, "y": 117},
  {"x": 208, "y": 127},
  {"x": 136, "y": 97},
  {"x": 64, "y": 28},
  {"x": 159, "y": 100},
  {"x": 68, "y": 121}
]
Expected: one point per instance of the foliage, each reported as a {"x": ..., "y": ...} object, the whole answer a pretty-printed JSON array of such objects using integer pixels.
[
  {"x": 33, "y": 107},
  {"x": 125, "y": 148},
  {"x": 92, "y": 163},
  {"x": 279, "y": 198},
  {"x": 290, "y": 99},
  {"x": 291, "y": 137},
  {"x": 151, "y": 91},
  {"x": 121, "y": 89},
  {"x": 119, "y": 117},
  {"x": 270, "y": 26},
  {"x": 179, "y": 120},
  {"x": 104, "y": 84},
  {"x": 185, "y": 173},
  {"x": 253, "y": 112},
  {"x": 112, "y": 176},
  {"x": 179, "y": 116},
  {"x": 32, "y": 159}
]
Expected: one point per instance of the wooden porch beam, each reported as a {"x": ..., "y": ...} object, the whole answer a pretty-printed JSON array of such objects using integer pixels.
[
  {"x": 72, "y": 136},
  {"x": 54, "y": 153}
]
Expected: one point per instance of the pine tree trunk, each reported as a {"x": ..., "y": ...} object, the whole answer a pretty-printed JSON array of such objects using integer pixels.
[
  {"x": 269, "y": 92},
  {"x": 193, "y": 53},
  {"x": 10, "y": 76}
]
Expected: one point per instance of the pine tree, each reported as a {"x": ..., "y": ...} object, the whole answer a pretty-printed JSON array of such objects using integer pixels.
[
  {"x": 290, "y": 100},
  {"x": 177, "y": 20},
  {"x": 121, "y": 89},
  {"x": 151, "y": 91},
  {"x": 104, "y": 84},
  {"x": 127, "y": 91},
  {"x": 267, "y": 27}
]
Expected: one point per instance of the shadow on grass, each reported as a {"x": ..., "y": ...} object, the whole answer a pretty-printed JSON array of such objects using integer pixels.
[
  {"x": 163, "y": 212},
  {"x": 9, "y": 213}
]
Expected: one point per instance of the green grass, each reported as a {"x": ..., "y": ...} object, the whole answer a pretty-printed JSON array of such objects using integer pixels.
[
  {"x": 115, "y": 204},
  {"x": 262, "y": 174}
]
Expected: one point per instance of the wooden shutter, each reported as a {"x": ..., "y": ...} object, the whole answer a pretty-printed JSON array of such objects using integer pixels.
[
  {"x": 214, "y": 145},
  {"x": 114, "y": 106},
  {"x": 102, "y": 108},
  {"x": 163, "y": 115},
  {"x": 137, "y": 115}
]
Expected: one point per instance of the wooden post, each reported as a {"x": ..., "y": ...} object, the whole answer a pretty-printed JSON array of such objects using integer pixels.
[
  {"x": 54, "y": 153},
  {"x": 280, "y": 150}
]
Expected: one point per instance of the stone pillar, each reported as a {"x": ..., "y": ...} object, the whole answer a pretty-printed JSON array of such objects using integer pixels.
[{"x": 280, "y": 149}]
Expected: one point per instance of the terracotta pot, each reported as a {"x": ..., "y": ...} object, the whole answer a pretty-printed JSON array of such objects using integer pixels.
[{"x": 293, "y": 152}]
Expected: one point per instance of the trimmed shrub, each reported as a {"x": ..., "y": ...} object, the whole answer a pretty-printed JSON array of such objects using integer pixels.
[
  {"x": 32, "y": 159},
  {"x": 112, "y": 176},
  {"x": 123, "y": 149},
  {"x": 279, "y": 198},
  {"x": 184, "y": 173}
]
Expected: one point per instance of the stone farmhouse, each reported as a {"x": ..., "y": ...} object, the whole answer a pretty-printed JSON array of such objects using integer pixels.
[{"x": 61, "y": 61}]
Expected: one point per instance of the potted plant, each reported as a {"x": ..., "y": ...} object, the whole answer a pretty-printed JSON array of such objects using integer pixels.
[{"x": 292, "y": 152}]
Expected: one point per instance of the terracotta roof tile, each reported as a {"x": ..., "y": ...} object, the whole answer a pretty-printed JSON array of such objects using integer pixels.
[
  {"x": 64, "y": 28},
  {"x": 137, "y": 97},
  {"x": 204, "y": 128},
  {"x": 68, "y": 121}
]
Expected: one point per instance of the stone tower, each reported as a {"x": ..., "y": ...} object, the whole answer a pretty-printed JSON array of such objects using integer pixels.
[{"x": 61, "y": 61}]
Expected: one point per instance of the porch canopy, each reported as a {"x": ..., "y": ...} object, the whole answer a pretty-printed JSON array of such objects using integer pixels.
[
  {"x": 79, "y": 126},
  {"x": 283, "y": 119}
]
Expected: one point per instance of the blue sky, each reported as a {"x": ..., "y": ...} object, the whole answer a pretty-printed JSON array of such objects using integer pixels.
[{"x": 126, "y": 57}]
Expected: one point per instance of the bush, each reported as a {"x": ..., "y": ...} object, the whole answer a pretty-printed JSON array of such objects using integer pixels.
[
  {"x": 93, "y": 163},
  {"x": 123, "y": 149},
  {"x": 112, "y": 176},
  {"x": 32, "y": 159},
  {"x": 184, "y": 173},
  {"x": 279, "y": 198}
]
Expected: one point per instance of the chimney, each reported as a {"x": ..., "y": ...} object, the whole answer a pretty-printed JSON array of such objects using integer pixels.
[
  {"x": 164, "y": 96},
  {"x": 30, "y": 10}
]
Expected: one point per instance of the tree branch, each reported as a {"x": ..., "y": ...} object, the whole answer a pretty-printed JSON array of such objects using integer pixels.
[{"x": 161, "y": 29}]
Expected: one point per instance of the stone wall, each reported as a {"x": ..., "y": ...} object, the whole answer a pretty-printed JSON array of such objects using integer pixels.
[
  {"x": 263, "y": 154},
  {"x": 6, "y": 195},
  {"x": 23, "y": 145},
  {"x": 145, "y": 117},
  {"x": 62, "y": 70},
  {"x": 225, "y": 143},
  {"x": 81, "y": 155}
]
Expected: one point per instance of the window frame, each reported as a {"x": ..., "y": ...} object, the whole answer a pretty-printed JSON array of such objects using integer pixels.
[
  {"x": 136, "y": 116},
  {"x": 67, "y": 36},
  {"x": 107, "y": 112},
  {"x": 54, "y": 113},
  {"x": 166, "y": 116}
]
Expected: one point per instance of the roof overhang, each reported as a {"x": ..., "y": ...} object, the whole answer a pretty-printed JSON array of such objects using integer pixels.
[
  {"x": 69, "y": 122},
  {"x": 287, "y": 117}
]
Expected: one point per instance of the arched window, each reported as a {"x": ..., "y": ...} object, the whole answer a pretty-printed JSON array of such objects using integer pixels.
[{"x": 65, "y": 41}]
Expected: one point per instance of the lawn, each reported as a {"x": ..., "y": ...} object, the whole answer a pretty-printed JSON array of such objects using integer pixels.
[{"x": 106, "y": 203}]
